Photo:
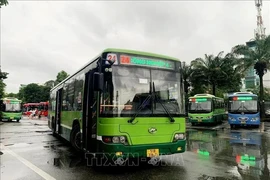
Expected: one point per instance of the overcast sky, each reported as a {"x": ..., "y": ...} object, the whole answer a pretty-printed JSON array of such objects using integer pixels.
[{"x": 39, "y": 39}]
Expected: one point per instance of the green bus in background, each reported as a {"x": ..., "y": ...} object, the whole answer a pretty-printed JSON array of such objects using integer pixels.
[
  {"x": 206, "y": 108},
  {"x": 123, "y": 102},
  {"x": 11, "y": 109}
]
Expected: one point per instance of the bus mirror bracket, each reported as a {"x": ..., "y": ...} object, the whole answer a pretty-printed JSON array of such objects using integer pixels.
[{"x": 98, "y": 81}]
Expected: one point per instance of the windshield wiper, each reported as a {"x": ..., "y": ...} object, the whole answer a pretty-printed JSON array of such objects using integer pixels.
[
  {"x": 143, "y": 104},
  {"x": 164, "y": 107}
]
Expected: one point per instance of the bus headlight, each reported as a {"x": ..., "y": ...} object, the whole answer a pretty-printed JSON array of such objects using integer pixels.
[
  {"x": 179, "y": 136},
  {"x": 115, "y": 139},
  {"x": 122, "y": 139},
  {"x": 231, "y": 118},
  {"x": 255, "y": 119}
]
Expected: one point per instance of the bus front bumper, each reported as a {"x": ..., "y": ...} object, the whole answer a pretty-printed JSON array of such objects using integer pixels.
[
  {"x": 244, "y": 123},
  {"x": 140, "y": 151},
  {"x": 12, "y": 118},
  {"x": 201, "y": 120}
]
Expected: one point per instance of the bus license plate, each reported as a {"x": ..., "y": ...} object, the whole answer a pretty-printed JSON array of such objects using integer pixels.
[
  {"x": 199, "y": 120},
  {"x": 152, "y": 152},
  {"x": 11, "y": 117},
  {"x": 243, "y": 122}
]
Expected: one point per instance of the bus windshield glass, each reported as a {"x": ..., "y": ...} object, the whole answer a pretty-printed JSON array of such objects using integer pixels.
[
  {"x": 12, "y": 107},
  {"x": 243, "y": 106},
  {"x": 200, "y": 105},
  {"x": 129, "y": 88}
]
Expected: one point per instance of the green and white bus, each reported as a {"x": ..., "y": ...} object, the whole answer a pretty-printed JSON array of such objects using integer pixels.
[
  {"x": 206, "y": 108},
  {"x": 11, "y": 109},
  {"x": 123, "y": 102}
]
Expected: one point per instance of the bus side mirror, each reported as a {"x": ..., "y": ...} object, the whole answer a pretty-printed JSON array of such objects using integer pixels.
[{"x": 98, "y": 81}]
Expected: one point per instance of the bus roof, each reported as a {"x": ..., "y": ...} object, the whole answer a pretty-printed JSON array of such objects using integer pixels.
[
  {"x": 140, "y": 53},
  {"x": 119, "y": 51},
  {"x": 232, "y": 95},
  {"x": 11, "y": 99},
  {"x": 204, "y": 96}
]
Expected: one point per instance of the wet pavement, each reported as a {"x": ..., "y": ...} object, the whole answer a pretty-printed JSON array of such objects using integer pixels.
[{"x": 29, "y": 151}]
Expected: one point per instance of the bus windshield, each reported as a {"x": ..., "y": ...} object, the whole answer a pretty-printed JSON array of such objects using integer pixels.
[
  {"x": 130, "y": 88},
  {"x": 243, "y": 106},
  {"x": 12, "y": 107},
  {"x": 200, "y": 107}
]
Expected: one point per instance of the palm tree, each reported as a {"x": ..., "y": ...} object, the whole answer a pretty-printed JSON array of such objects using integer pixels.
[
  {"x": 210, "y": 70},
  {"x": 234, "y": 71},
  {"x": 3, "y": 2},
  {"x": 186, "y": 73},
  {"x": 259, "y": 59}
]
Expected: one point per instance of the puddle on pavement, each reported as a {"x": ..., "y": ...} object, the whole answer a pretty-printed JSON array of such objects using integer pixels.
[
  {"x": 40, "y": 124},
  {"x": 43, "y": 131},
  {"x": 68, "y": 161}
]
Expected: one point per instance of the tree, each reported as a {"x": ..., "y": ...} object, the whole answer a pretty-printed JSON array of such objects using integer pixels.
[
  {"x": 216, "y": 73},
  {"x": 32, "y": 93},
  {"x": 186, "y": 73},
  {"x": 60, "y": 77},
  {"x": 49, "y": 83},
  {"x": 3, "y": 75},
  {"x": 45, "y": 93},
  {"x": 256, "y": 90},
  {"x": 11, "y": 95},
  {"x": 3, "y": 2},
  {"x": 234, "y": 72},
  {"x": 257, "y": 58},
  {"x": 210, "y": 70}
]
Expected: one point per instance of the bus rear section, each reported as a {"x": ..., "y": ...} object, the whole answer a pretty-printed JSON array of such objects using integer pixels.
[
  {"x": 243, "y": 110},
  {"x": 29, "y": 107},
  {"x": 11, "y": 109},
  {"x": 43, "y": 109},
  {"x": 206, "y": 109}
]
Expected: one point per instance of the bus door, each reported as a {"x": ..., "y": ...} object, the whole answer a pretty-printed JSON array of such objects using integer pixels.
[
  {"x": 89, "y": 114},
  {"x": 59, "y": 100}
]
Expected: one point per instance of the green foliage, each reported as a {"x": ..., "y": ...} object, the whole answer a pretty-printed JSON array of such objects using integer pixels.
[
  {"x": 34, "y": 93},
  {"x": 39, "y": 93},
  {"x": 61, "y": 76},
  {"x": 3, "y": 75},
  {"x": 258, "y": 57},
  {"x": 214, "y": 73},
  {"x": 3, "y": 2},
  {"x": 11, "y": 95},
  {"x": 49, "y": 83},
  {"x": 256, "y": 90}
]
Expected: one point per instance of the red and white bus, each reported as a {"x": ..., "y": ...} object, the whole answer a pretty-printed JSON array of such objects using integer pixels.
[{"x": 42, "y": 108}]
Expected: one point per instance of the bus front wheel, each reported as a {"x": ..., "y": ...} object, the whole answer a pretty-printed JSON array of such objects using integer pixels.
[{"x": 75, "y": 138}]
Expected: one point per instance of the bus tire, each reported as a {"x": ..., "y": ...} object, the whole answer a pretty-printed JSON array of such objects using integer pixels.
[
  {"x": 18, "y": 120},
  {"x": 75, "y": 138}
]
